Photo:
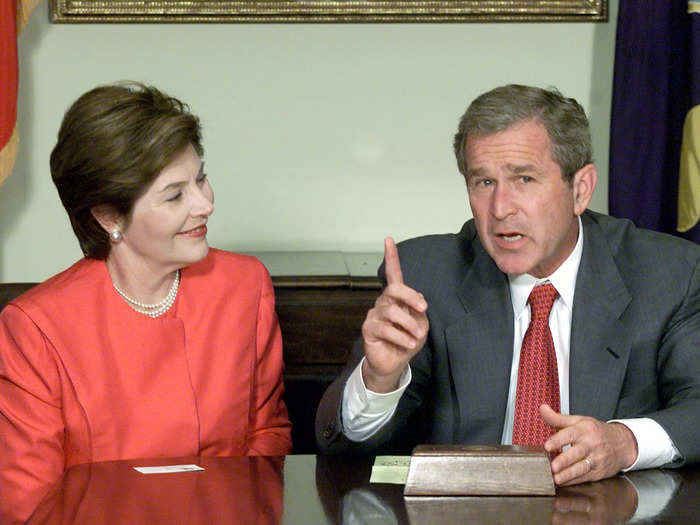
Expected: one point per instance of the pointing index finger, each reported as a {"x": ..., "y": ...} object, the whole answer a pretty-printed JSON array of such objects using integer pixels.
[{"x": 391, "y": 262}]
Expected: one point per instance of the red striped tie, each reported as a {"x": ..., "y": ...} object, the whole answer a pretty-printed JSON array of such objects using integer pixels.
[{"x": 538, "y": 379}]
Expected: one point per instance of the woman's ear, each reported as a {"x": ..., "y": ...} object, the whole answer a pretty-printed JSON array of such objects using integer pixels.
[{"x": 109, "y": 219}]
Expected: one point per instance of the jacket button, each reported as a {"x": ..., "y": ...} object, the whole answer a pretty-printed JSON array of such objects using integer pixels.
[{"x": 328, "y": 432}]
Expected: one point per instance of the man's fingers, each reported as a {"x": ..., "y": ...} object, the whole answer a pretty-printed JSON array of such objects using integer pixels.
[
  {"x": 573, "y": 466},
  {"x": 401, "y": 318},
  {"x": 392, "y": 266},
  {"x": 395, "y": 290},
  {"x": 377, "y": 331},
  {"x": 552, "y": 418},
  {"x": 413, "y": 325},
  {"x": 564, "y": 424},
  {"x": 404, "y": 296},
  {"x": 574, "y": 474}
]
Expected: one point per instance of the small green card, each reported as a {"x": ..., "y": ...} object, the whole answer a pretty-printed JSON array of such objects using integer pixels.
[{"x": 390, "y": 469}]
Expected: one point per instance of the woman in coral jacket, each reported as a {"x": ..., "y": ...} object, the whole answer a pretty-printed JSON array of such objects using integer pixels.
[{"x": 153, "y": 345}]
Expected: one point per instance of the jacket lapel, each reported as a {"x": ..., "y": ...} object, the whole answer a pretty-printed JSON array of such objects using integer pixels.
[
  {"x": 600, "y": 338},
  {"x": 480, "y": 351}
]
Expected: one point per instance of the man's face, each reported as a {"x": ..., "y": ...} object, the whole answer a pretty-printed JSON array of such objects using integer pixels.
[{"x": 525, "y": 213}]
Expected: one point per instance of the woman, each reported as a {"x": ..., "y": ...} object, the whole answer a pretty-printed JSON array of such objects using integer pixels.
[{"x": 153, "y": 345}]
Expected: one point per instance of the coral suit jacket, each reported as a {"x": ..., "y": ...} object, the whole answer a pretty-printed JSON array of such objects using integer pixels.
[{"x": 84, "y": 378}]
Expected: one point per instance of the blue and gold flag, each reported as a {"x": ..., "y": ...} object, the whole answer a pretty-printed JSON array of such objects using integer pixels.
[
  {"x": 655, "y": 129},
  {"x": 689, "y": 183}
]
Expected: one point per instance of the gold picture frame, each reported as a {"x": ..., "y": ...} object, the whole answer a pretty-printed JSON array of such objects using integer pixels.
[{"x": 299, "y": 11}]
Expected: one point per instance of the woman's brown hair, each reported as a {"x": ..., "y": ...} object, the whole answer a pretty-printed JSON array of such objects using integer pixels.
[{"x": 113, "y": 142}]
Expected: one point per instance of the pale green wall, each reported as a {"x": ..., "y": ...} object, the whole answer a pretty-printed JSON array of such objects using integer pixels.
[{"x": 318, "y": 137}]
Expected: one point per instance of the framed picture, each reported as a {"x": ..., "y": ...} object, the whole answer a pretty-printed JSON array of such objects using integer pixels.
[{"x": 166, "y": 11}]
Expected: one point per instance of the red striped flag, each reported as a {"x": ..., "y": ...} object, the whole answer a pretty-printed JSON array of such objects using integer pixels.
[{"x": 13, "y": 17}]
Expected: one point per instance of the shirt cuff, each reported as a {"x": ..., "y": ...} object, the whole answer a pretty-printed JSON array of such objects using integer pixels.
[
  {"x": 654, "y": 446},
  {"x": 364, "y": 412}
]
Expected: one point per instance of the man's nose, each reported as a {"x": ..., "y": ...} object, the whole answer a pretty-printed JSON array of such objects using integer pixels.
[{"x": 502, "y": 202}]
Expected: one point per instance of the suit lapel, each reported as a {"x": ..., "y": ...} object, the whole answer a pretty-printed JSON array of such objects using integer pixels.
[
  {"x": 480, "y": 351},
  {"x": 600, "y": 338}
]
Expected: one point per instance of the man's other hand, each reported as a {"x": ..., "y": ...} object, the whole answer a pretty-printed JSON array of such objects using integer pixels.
[{"x": 597, "y": 449}]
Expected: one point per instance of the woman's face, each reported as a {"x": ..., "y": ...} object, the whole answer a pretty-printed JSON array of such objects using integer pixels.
[{"x": 167, "y": 228}]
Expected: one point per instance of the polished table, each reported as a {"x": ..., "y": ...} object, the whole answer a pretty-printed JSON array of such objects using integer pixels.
[{"x": 308, "y": 489}]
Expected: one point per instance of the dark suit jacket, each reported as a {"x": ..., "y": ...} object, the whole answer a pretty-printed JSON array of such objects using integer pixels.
[{"x": 635, "y": 340}]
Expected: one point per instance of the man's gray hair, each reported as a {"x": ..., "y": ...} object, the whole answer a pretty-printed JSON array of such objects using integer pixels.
[{"x": 503, "y": 107}]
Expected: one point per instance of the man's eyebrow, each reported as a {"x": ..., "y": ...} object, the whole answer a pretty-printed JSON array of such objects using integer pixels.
[
  {"x": 475, "y": 172},
  {"x": 521, "y": 168},
  {"x": 180, "y": 183}
]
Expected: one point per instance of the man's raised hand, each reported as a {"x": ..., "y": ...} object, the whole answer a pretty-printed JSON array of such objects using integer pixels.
[{"x": 395, "y": 329}]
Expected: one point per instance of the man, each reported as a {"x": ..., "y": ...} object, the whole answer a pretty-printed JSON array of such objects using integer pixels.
[{"x": 446, "y": 353}]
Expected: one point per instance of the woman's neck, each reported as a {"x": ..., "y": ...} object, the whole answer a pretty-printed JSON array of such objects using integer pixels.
[{"x": 141, "y": 282}]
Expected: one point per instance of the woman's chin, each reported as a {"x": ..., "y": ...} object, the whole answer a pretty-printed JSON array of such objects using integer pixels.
[{"x": 196, "y": 255}]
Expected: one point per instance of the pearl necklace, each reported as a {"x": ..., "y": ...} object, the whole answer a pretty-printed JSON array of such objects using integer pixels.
[{"x": 157, "y": 309}]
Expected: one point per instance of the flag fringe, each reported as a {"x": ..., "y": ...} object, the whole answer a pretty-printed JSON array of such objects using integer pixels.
[
  {"x": 24, "y": 9},
  {"x": 8, "y": 154},
  {"x": 689, "y": 177}
]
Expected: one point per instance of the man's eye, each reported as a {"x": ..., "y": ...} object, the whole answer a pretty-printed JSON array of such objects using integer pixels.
[{"x": 525, "y": 178}]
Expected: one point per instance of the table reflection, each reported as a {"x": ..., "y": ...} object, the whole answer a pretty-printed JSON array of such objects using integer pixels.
[
  {"x": 336, "y": 490},
  {"x": 349, "y": 499},
  {"x": 228, "y": 491}
]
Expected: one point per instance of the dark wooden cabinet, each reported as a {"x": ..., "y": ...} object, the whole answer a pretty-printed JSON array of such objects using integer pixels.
[
  {"x": 319, "y": 322},
  {"x": 320, "y": 317}
]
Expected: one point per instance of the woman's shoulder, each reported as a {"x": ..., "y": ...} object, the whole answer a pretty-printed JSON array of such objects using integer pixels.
[
  {"x": 226, "y": 261},
  {"x": 72, "y": 283},
  {"x": 225, "y": 266}
]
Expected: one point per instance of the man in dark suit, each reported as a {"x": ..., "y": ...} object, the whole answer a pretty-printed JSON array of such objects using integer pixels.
[{"x": 442, "y": 352}]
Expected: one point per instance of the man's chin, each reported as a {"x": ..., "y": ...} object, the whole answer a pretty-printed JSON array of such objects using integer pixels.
[{"x": 512, "y": 266}]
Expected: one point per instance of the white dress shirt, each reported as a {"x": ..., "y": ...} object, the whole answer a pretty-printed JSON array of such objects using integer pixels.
[{"x": 364, "y": 412}]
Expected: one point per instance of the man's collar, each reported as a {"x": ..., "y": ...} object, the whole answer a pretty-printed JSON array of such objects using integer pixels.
[{"x": 563, "y": 279}]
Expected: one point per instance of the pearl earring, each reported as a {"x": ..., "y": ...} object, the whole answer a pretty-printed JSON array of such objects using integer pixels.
[{"x": 116, "y": 236}]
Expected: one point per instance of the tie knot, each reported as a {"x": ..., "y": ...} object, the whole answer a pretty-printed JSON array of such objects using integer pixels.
[{"x": 541, "y": 300}]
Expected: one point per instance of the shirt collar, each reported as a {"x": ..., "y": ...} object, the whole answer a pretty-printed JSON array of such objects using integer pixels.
[{"x": 563, "y": 279}]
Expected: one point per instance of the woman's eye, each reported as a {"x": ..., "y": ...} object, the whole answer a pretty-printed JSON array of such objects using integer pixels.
[{"x": 175, "y": 197}]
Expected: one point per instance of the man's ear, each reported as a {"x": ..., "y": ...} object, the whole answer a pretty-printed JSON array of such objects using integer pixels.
[
  {"x": 109, "y": 219},
  {"x": 584, "y": 183}
]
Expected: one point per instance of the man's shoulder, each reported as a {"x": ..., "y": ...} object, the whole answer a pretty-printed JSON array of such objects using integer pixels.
[
  {"x": 649, "y": 262},
  {"x": 440, "y": 244},
  {"x": 628, "y": 242},
  {"x": 440, "y": 255}
]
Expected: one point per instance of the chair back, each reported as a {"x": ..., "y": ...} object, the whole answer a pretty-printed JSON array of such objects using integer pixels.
[{"x": 9, "y": 291}]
